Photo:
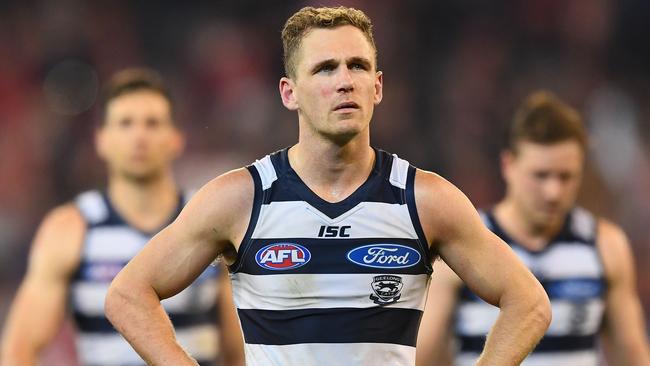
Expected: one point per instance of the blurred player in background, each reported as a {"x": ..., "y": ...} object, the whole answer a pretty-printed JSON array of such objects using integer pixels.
[
  {"x": 82, "y": 245},
  {"x": 330, "y": 255},
  {"x": 584, "y": 263}
]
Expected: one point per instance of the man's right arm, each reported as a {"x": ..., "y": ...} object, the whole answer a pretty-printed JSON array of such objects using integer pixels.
[
  {"x": 487, "y": 266},
  {"x": 213, "y": 222},
  {"x": 38, "y": 309}
]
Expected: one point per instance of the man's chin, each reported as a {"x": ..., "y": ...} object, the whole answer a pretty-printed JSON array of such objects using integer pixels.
[{"x": 141, "y": 175}]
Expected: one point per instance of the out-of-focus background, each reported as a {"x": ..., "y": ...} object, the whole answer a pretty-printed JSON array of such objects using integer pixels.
[{"x": 454, "y": 71}]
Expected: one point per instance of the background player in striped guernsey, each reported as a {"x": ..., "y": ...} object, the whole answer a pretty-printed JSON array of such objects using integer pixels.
[
  {"x": 81, "y": 245},
  {"x": 583, "y": 262},
  {"x": 349, "y": 293}
]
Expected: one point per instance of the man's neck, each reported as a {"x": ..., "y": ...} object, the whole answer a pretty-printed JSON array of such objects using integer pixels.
[
  {"x": 527, "y": 233},
  {"x": 333, "y": 172},
  {"x": 145, "y": 205}
]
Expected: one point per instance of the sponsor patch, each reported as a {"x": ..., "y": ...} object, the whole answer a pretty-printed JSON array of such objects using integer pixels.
[
  {"x": 384, "y": 256},
  {"x": 386, "y": 289},
  {"x": 282, "y": 256}
]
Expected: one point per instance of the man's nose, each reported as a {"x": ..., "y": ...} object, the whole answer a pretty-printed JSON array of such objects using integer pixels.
[
  {"x": 345, "y": 80},
  {"x": 553, "y": 189}
]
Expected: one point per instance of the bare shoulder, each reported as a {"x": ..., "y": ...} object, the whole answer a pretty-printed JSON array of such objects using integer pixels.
[
  {"x": 224, "y": 204},
  {"x": 614, "y": 248},
  {"x": 442, "y": 207},
  {"x": 58, "y": 241}
]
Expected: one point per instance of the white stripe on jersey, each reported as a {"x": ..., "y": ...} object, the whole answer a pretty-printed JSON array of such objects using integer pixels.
[
  {"x": 366, "y": 220},
  {"x": 329, "y": 354},
  {"x": 266, "y": 171},
  {"x": 476, "y": 318},
  {"x": 88, "y": 297},
  {"x": 92, "y": 206},
  {"x": 578, "y": 358},
  {"x": 399, "y": 172},
  {"x": 559, "y": 261},
  {"x": 201, "y": 342},
  {"x": 113, "y": 243},
  {"x": 309, "y": 291}
]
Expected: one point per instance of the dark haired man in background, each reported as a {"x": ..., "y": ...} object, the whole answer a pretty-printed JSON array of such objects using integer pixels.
[
  {"x": 82, "y": 245},
  {"x": 583, "y": 262}
]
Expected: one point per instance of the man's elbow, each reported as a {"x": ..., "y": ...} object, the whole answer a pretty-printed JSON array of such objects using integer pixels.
[
  {"x": 541, "y": 310},
  {"x": 116, "y": 302}
]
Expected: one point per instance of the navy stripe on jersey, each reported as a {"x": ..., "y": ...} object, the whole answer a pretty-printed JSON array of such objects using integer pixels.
[
  {"x": 331, "y": 257},
  {"x": 99, "y": 324},
  {"x": 341, "y": 325},
  {"x": 579, "y": 289},
  {"x": 294, "y": 189},
  {"x": 255, "y": 213},
  {"x": 415, "y": 218},
  {"x": 113, "y": 218},
  {"x": 547, "y": 344}
]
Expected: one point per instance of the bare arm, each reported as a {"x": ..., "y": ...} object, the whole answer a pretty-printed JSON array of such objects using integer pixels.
[
  {"x": 624, "y": 320},
  {"x": 38, "y": 309},
  {"x": 215, "y": 217},
  {"x": 231, "y": 339},
  {"x": 487, "y": 266},
  {"x": 434, "y": 346}
]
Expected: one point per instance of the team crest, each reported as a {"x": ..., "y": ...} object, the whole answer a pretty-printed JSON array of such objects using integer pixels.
[{"x": 386, "y": 289}]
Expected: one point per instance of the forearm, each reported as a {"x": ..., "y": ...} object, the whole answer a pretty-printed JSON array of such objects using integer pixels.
[
  {"x": 138, "y": 315},
  {"x": 518, "y": 329},
  {"x": 29, "y": 328},
  {"x": 15, "y": 354}
]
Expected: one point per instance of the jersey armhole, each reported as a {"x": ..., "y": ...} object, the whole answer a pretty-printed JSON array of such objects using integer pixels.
[
  {"x": 258, "y": 198},
  {"x": 415, "y": 218}
]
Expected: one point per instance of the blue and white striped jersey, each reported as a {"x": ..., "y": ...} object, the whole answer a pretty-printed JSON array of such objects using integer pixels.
[
  {"x": 319, "y": 283},
  {"x": 108, "y": 245},
  {"x": 571, "y": 271}
]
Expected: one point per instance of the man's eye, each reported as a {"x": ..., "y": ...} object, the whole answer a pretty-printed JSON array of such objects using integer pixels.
[
  {"x": 126, "y": 122},
  {"x": 326, "y": 68},
  {"x": 356, "y": 66}
]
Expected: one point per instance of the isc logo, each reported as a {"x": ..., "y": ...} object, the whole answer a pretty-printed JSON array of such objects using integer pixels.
[
  {"x": 282, "y": 256},
  {"x": 334, "y": 232}
]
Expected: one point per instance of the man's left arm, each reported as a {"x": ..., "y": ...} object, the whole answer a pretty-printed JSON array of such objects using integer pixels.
[{"x": 624, "y": 320}]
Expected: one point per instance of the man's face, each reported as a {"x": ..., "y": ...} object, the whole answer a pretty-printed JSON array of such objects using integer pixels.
[
  {"x": 543, "y": 180},
  {"x": 336, "y": 85},
  {"x": 138, "y": 139}
]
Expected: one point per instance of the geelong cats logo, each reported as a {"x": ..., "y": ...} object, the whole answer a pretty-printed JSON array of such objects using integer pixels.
[{"x": 386, "y": 289}]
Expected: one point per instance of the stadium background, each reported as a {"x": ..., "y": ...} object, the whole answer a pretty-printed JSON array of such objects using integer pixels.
[{"x": 453, "y": 70}]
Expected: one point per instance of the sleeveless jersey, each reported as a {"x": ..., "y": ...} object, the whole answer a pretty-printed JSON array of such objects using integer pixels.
[
  {"x": 108, "y": 245},
  {"x": 571, "y": 271},
  {"x": 319, "y": 283}
]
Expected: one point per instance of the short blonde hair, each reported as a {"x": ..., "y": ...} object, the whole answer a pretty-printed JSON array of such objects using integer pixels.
[{"x": 300, "y": 23}]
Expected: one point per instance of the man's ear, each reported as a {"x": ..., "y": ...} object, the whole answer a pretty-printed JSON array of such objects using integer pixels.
[
  {"x": 379, "y": 87},
  {"x": 507, "y": 160},
  {"x": 100, "y": 142},
  {"x": 288, "y": 94}
]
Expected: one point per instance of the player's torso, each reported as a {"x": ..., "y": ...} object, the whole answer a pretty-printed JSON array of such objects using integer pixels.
[
  {"x": 571, "y": 271},
  {"x": 108, "y": 245},
  {"x": 317, "y": 283}
]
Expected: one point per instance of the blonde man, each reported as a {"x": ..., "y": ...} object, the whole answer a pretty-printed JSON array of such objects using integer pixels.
[{"x": 329, "y": 242}]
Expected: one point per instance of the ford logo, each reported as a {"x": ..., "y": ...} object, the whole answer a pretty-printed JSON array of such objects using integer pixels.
[{"x": 384, "y": 256}]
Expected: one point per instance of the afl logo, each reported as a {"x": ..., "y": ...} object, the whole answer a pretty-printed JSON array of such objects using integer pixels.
[
  {"x": 282, "y": 256},
  {"x": 384, "y": 256}
]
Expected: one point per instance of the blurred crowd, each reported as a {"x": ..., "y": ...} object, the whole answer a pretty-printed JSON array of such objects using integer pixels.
[{"x": 453, "y": 71}]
